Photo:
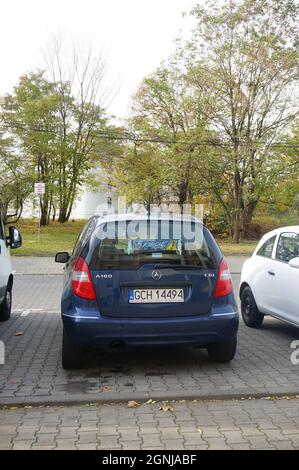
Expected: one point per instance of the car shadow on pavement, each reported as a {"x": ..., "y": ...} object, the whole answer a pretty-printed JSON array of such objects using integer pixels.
[
  {"x": 152, "y": 361},
  {"x": 281, "y": 328}
]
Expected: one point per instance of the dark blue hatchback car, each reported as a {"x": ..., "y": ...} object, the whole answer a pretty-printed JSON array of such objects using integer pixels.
[{"x": 137, "y": 280}]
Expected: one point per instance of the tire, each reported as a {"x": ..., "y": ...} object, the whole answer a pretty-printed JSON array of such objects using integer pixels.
[
  {"x": 223, "y": 352},
  {"x": 5, "y": 307},
  {"x": 251, "y": 315},
  {"x": 72, "y": 355}
]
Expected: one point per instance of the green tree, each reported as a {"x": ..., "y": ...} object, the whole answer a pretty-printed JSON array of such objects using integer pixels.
[
  {"x": 56, "y": 117},
  {"x": 167, "y": 110},
  {"x": 139, "y": 175},
  {"x": 81, "y": 117},
  {"x": 29, "y": 116},
  {"x": 15, "y": 181},
  {"x": 282, "y": 196},
  {"x": 243, "y": 58}
]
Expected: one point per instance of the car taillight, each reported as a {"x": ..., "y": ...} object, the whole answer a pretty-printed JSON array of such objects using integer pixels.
[
  {"x": 82, "y": 284},
  {"x": 224, "y": 284}
]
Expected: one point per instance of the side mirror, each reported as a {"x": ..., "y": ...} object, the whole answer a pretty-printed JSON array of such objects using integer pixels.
[
  {"x": 14, "y": 239},
  {"x": 62, "y": 257},
  {"x": 294, "y": 263}
]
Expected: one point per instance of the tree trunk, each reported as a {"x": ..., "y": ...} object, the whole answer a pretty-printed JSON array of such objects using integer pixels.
[
  {"x": 183, "y": 191},
  {"x": 54, "y": 212},
  {"x": 238, "y": 206},
  {"x": 236, "y": 229},
  {"x": 62, "y": 215},
  {"x": 44, "y": 206},
  {"x": 247, "y": 216}
]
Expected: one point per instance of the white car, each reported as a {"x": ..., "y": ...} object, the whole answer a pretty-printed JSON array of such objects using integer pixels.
[
  {"x": 270, "y": 279},
  {"x": 14, "y": 240}
]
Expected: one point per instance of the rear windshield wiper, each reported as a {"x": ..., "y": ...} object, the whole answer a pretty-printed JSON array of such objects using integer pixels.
[{"x": 177, "y": 266}]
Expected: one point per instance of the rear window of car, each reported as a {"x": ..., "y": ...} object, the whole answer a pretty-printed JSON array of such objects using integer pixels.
[{"x": 131, "y": 244}]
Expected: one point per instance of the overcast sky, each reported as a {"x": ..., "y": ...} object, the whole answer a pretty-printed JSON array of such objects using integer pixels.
[{"x": 135, "y": 35}]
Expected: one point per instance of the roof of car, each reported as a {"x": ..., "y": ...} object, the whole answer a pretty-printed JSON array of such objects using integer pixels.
[
  {"x": 133, "y": 216},
  {"x": 289, "y": 228}
]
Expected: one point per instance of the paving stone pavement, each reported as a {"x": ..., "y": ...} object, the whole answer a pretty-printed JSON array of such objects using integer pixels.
[
  {"x": 35, "y": 265},
  {"x": 33, "y": 374},
  {"x": 76, "y": 416},
  {"x": 193, "y": 425}
]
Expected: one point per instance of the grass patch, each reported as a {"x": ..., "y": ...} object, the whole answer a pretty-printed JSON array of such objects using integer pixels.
[
  {"x": 245, "y": 248},
  {"x": 54, "y": 237},
  {"x": 61, "y": 237}
]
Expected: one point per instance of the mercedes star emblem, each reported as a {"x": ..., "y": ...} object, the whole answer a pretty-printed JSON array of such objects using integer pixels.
[{"x": 156, "y": 275}]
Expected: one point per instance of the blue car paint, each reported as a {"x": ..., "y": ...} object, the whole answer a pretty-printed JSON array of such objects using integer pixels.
[
  {"x": 87, "y": 326},
  {"x": 201, "y": 320}
]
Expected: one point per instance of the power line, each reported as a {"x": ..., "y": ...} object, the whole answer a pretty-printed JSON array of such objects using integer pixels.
[{"x": 139, "y": 138}]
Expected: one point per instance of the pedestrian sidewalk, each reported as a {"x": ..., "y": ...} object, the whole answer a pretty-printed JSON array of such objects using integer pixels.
[{"x": 195, "y": 425}]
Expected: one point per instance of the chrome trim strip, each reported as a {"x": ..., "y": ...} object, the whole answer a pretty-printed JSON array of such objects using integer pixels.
[
  {"x": 91, "y": 318},
  {"x": 224, "y": 314},
  {"x": 79, "y": 316}
]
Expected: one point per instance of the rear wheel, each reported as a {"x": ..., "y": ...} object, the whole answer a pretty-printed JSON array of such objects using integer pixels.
[
  {"x": 72, "y": 354},
  {"x": 250, "y": 313},
  {"x": 5, "y": 307},
  {"x": 223, "y": 352}
]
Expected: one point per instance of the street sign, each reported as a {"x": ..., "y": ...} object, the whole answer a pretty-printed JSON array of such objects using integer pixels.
[{"x": 39, "y": 188}]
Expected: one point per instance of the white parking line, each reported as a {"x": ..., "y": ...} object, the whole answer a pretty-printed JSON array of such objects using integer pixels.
[
  {"x": 25, "y": 313},
  {"x": 32, "y": 310}
]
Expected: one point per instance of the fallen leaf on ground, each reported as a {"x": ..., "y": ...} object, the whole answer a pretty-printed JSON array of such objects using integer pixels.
[
  {"x": 199, "y": 430},
  {"x": 105, "y": 388},
  {"x": 19, "y": 333},
  {"x": 166, "y": 408},
  {"x": 133, "y": 404}
]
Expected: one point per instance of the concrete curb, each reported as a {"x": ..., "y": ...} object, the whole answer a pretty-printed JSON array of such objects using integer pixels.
[{"x": 108, "y": 398}]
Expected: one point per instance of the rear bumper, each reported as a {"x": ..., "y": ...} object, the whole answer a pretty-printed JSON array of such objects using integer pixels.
[{"x": 92, "y": 330}]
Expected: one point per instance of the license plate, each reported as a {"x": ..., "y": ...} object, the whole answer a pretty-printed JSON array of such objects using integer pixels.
[{"x": 154, "y": 296}]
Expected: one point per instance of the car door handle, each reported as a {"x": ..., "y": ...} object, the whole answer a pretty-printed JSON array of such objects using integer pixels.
[{"x": 272, "y": 273}]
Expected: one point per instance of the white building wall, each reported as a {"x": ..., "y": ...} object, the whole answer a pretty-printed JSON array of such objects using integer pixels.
[{"x": 88, "y": 203}]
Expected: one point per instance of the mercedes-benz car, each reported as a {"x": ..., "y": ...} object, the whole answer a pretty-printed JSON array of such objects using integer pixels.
[{"x": 137, "y": 280}]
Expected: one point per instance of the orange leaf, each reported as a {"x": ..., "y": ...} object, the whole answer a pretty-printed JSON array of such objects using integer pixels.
[{"x": 133, "y": 404}]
